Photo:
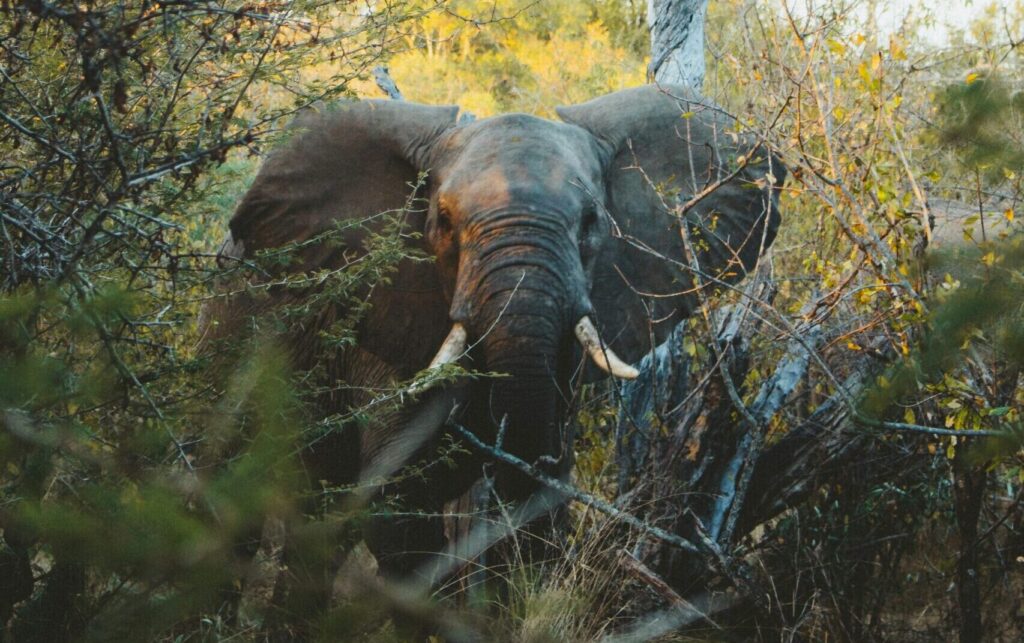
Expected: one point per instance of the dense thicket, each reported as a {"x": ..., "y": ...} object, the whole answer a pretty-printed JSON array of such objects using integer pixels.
[{"x": 129, "y": 130}]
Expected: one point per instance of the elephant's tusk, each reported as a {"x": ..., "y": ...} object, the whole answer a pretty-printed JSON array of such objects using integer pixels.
[
  {"x": 453, "y": 346},
  {"x": 602, "y": 355}
]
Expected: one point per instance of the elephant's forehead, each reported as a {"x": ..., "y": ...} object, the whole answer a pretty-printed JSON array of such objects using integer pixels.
[{"x": 517, "y": 156}]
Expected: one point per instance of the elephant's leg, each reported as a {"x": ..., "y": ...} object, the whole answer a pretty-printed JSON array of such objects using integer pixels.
[
  {"x": 406, "y": 540},
  {"x": 408, "y": 531},
  {"x": 313, "y": 541},
  {"x": 265, "y": 564},
  {"x": 312, "y": 557},
  {"x": 406, "y": 547}
]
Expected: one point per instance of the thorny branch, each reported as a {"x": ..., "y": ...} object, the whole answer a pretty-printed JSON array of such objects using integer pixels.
[{"x": 578, "y": 495}]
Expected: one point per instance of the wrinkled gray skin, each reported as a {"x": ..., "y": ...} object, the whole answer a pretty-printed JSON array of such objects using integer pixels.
[{"x": 534, "y": 224}]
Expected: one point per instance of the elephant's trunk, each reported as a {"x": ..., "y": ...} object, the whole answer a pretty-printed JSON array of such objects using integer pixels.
[
  {"x": 522, "y": 322},
  {"x": 526, "y": 343}
]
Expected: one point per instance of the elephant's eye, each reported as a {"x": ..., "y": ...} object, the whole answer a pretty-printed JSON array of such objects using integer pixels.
[
  {"x": 444, "y": 221},
  {"x": 588, "y": 222}
]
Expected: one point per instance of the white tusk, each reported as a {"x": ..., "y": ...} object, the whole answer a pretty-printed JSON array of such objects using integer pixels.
[
  {"x": 454, "y": 345},
  {"x": 602, "y": 355}
]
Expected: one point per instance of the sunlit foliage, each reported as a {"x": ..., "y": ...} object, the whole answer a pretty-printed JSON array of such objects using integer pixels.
[{"x": 519, "y": 55}]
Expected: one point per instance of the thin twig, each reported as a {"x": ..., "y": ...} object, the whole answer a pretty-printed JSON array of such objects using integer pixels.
[{"x": 572, "y": 492}]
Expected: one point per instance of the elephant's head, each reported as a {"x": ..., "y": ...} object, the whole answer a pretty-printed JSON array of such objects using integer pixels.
[{"x": 547, "y": 235}]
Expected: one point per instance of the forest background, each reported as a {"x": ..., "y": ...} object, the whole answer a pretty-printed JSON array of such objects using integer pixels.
[{"x": 130, "y": 130}]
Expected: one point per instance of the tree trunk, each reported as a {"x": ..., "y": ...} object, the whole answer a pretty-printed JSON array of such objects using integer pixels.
[
  {"x": 677, "y": 41},
  {"x": 969, "y": 481}
]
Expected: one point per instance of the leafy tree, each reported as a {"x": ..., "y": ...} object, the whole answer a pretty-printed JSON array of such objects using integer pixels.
[{"x": 526, "y": 57}]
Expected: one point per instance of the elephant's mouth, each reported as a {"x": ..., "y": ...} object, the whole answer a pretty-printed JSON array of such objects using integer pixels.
[{"x": 454, "y": 346}]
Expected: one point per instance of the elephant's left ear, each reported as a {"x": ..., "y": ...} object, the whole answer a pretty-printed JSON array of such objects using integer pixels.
[{"x": 665, "y": 147}]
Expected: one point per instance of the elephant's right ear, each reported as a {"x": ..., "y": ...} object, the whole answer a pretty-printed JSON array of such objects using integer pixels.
[{"x": 351, "y": 162}]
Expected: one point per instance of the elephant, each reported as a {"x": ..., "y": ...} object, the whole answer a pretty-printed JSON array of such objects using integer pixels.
[{"x": 557, "y": 257}]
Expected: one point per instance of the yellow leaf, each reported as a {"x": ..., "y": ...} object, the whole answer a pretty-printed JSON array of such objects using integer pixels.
[
  {"x": 1008, "y": 214},
  {"x": 858, "y": 39},
  {"x": 853, "y": 346},
  {"x": 836, "y": 46},
  {"x": 971, "y": 77},
  {"x": 896, "y": 50},
  {"x": 862, "y": 71}
]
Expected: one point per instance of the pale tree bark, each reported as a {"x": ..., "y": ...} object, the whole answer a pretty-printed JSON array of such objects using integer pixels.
[{"x": 677, "y": 41}]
